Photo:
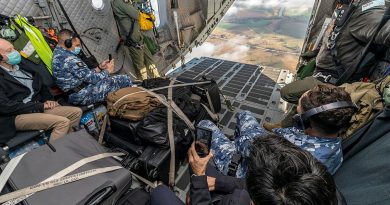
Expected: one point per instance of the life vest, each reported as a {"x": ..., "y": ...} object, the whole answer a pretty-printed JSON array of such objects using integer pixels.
[
  {"x": 35, "y": 43},
  {"x": 146, "y": 21}
]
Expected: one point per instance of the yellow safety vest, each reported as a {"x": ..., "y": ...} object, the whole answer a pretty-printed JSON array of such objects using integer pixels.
[{"x": 38, "y": 41}]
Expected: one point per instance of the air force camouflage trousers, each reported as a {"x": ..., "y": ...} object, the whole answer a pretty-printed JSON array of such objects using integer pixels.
[
  {"x": 326, "y": 150},
  {"x": 247, "y": 129},
  {"x": 71, "y": 73}
]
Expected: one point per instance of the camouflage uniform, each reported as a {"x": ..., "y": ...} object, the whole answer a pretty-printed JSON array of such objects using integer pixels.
[
  {"x": 70, "y": 72},
  {"x": 247, "y": 129},
  {"x": 127, "y": 14},
  {"x": 326, "y": 150}
]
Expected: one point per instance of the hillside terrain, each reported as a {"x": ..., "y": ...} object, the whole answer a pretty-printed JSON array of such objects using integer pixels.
[{"x": 270, "y": 36}]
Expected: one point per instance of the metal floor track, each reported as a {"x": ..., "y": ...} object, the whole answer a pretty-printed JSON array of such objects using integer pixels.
[{"x": 248, "y": 87}]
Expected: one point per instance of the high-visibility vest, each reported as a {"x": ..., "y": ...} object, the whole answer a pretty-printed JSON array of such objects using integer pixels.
[{"x": 37, "y": 40}]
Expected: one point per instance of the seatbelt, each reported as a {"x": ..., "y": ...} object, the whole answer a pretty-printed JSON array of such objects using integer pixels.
[
  {"x": 349, "y": 72},
  {"x": 72, "y": 26},
  {"x": 171, "y": 137},
  {"x": 65, "y": 172},
  {"x": 9, "y": 169},
  {"x": 56, "y": 182}
]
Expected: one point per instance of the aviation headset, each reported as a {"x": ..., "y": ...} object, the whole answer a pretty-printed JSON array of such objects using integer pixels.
[
  {"x": 302, "y": 121},
  {"x": 68, "y": 42}
]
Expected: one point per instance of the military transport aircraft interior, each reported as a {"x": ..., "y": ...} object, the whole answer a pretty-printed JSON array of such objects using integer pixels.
[{"x": 100, "y": 103}]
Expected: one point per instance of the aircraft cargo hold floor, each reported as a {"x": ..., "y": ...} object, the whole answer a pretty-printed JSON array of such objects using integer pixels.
[{"x": 248, "y": 87}]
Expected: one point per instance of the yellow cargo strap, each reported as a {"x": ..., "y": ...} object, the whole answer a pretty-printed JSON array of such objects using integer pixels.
[
  {"x": 146, "y": 21},
  {"x": 37, "y": 40}
]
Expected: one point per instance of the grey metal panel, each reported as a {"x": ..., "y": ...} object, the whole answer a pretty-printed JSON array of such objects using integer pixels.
[
  {"x": 248, "y": 87},
  {"x": 24, "y": 7}
]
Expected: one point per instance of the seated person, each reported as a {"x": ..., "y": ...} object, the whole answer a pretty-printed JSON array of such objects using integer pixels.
[
  {"x": 87, "y": 86},
  {"x": 279, "y": 172},
  {"x": 319, "y": 136},
  {"x": 339, "y": 54},
  {"x": 26, "y": 104}
]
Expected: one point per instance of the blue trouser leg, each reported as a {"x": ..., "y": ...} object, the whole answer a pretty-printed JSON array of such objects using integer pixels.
[
  {"x": 222, "y": 148},
  {"x": 99, "y": 92},
  {"x": 247, "y": 130},
  {"x": 162, "y": 195}
]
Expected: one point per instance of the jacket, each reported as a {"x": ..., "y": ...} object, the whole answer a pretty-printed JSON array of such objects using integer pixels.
[
  {"x": 200, "y": 194},
  {"x": 12, "y": 93},
  {"x": 353, "y": 39},
  {"x": 127, "y": 14}
]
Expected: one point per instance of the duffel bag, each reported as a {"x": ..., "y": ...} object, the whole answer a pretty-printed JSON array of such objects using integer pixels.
[
  {"x": 76, "y": 155},
  {"x": 131, "y": 103}
]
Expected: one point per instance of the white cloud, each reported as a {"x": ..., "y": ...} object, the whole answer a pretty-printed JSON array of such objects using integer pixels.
[
  {"x": 206, "y": 49},
  {"x": 236, "y": 46}
]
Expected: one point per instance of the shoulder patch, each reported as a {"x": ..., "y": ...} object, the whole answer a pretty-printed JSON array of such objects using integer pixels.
[{"x": 80, "y": 64}]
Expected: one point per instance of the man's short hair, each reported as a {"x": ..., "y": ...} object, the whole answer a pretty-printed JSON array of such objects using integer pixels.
[
  {"x": 65, "y": 34},
  {"x": 279, "y": 172},
  {"x": 331, "y": 121}
]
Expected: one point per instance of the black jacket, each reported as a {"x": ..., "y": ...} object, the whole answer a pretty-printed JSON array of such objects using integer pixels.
[
  {"x": 353, "y": 39},
  {"x": 12, "y": 93},
  {"x": 232, "y": 190}
]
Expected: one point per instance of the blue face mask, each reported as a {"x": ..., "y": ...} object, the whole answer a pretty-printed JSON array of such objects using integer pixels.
[
  {"x": 14, "y": 58},
  {"x": 76, "y": 51}
]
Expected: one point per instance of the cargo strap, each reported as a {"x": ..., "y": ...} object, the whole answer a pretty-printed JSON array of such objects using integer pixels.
[
  {"x": 103, "y": 129},
  {"x": 147, "y": 182},
  {"x": 9, "y": 169},
  {"x": 161, "y": 88},
  {"x": 175, "y": 108},
  {"x": 213, "y": 116},
  {"x": 56, "y": 182},
  {"x": 65, "y": 172},
  {"x": 171, "y": 137}
]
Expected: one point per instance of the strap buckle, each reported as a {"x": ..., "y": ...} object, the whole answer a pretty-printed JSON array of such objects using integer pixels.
[
  {"x": 232, "y": 168},
  {"x": 327, "y": 78}
]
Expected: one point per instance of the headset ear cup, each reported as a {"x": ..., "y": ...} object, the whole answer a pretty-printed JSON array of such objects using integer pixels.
[
  {"x": 298, "y": 121},
  {"x": 68, "y": 43}
]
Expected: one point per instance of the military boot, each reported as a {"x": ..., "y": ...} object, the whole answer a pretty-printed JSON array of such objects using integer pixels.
[
  {"x": 153, "y": 71},
  {"x": 270, "y": 126},
  {"x": 143, "y": 73}
]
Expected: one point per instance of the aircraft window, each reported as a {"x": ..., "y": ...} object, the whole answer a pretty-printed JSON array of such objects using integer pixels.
[
  {"x": 98, "y": 5},
  {"x": 154, "y": 4}
]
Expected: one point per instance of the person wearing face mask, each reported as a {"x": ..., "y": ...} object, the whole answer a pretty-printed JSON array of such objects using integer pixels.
[
  {"x": 83, "y": 84},
  {"x": 26, "y": 104}
]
